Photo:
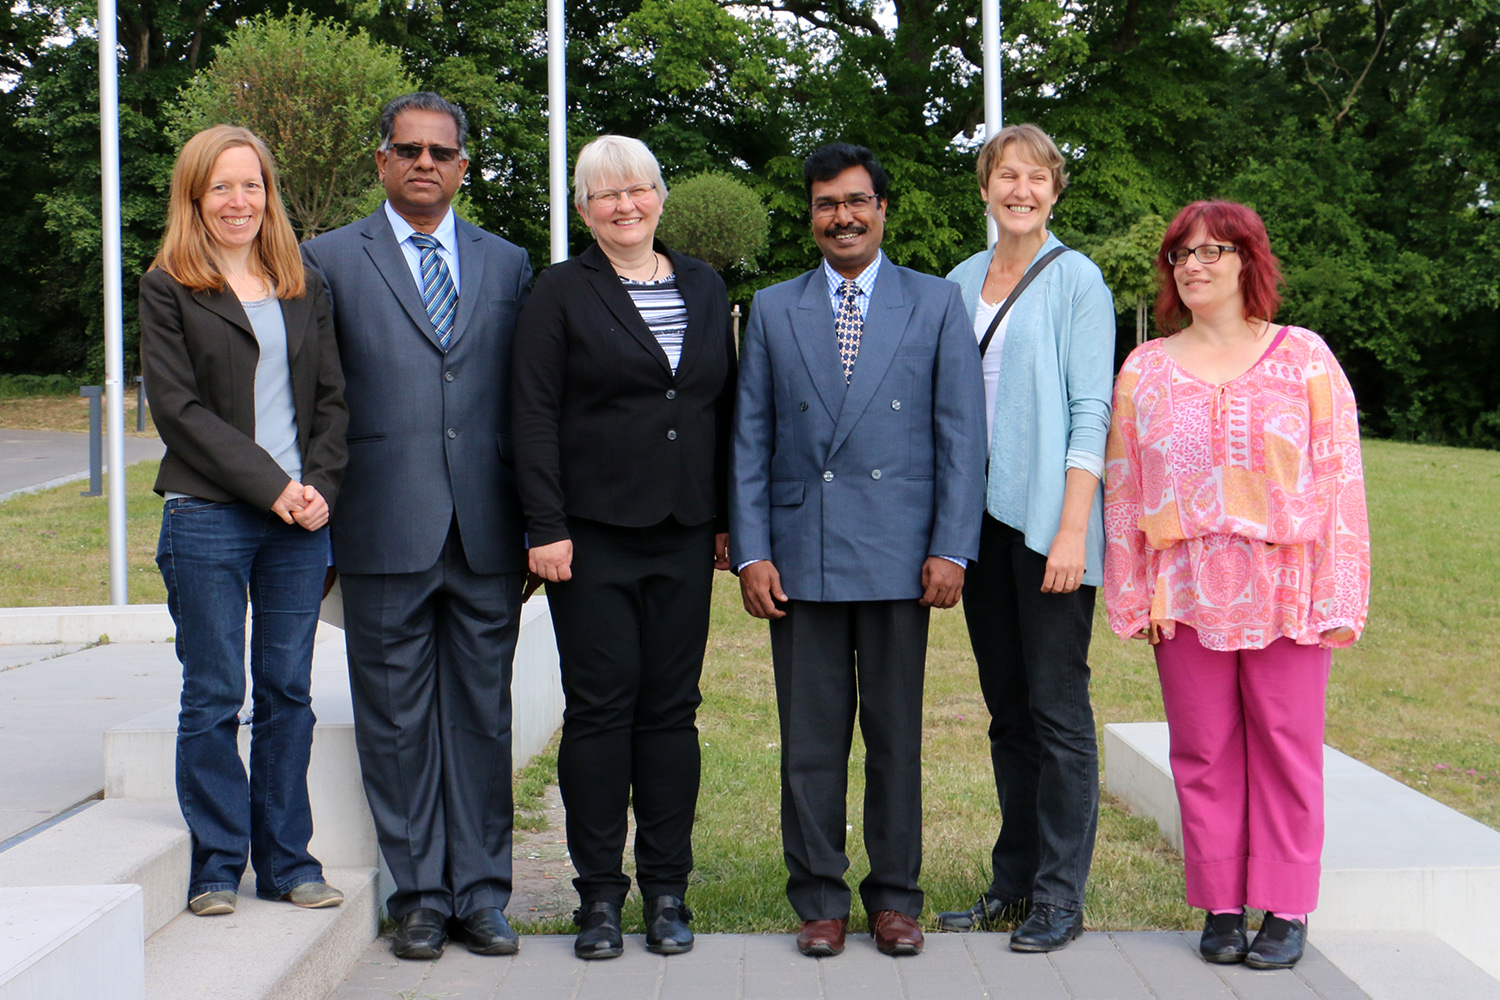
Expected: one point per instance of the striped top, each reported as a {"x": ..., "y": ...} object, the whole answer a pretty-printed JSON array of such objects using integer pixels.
[{"x": 665, "y": 313}]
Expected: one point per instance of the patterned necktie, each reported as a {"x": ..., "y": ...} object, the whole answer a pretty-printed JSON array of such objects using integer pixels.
[
  {"x": 848, "y": 324},
  {"x": 438, "y": 293}
]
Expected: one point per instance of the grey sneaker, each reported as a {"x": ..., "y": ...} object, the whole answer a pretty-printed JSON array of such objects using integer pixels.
[
  {"x": 314, "y": 895},
  {"x": 213, "y": 904}
]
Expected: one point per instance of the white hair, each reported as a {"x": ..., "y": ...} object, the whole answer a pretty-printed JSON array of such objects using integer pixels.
[{"x": 615, "y": 157}]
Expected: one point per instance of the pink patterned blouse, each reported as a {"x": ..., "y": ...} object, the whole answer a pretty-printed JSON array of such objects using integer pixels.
[{"x": 1237, "y": 509}]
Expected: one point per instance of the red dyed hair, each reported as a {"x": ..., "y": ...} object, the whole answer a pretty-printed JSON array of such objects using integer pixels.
[{"x": 1225, "y": 222}]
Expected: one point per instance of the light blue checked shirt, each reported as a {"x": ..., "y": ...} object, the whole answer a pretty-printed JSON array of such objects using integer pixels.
[
  {"x": 865, "y": 283},
  {"x": 446, "y": 235}
]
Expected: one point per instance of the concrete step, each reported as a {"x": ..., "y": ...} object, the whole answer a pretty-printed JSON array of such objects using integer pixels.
[
  {"x": 264, "y": 950},
  {"x": 1393, "y": 859},
  {"x": 65, "y": 942},
  {"x": 111, "y": 843}
]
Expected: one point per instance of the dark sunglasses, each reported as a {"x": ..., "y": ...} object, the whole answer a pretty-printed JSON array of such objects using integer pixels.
[{"x": 412, "y": 150}]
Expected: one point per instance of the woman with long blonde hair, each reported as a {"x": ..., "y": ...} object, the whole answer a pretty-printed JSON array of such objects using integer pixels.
[{"x": 238, "y": 351}]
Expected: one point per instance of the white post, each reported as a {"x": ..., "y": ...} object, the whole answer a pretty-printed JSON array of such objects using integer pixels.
[
  {"x": 114, "y": 331},
  {"x": 557, "y": 127},
  {"x": 994, "y": 118}
]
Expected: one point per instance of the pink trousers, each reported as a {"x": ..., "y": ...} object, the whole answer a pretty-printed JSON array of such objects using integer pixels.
[{"x": 1247, "y": 760}]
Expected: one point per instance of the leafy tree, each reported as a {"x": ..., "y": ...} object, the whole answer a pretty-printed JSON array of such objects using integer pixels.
[
  {"x": 313, "y": 91},
  {"x": 717, "y": 219}
]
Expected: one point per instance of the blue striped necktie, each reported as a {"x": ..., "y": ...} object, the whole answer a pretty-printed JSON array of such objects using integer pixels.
[{"x": 438, "y": 293}]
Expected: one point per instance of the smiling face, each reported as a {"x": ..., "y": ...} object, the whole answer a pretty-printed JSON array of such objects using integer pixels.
[
  {"x": 235, "y": 203},
  {"x": 623, "y": 225},
  {"x": 1209, "y": 288},
  {"x": 421, "y": 189},
  {"x": 849, "y": 238},
  {"x": 1020, "y": 194}
]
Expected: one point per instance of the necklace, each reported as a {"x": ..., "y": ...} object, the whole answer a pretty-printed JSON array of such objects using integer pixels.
[{"x": 655, "y": 266}]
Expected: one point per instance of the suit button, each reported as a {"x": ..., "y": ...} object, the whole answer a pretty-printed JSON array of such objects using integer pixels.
[
  {"x": 895, "y": 404},
  {"x": 447, "y": 376},
  {"x": 875, "y": 474},
  {"x": 828, "y": 477},
  {"x": 452, "y": 433},
  {"x": 803, "y": 404},
  {"x": 671, "y": 393},
  {"x": 671, "y": 435}
]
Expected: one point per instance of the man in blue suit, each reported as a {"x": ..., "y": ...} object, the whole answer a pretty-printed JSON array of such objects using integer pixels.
[{"x": 856, "y": 496}]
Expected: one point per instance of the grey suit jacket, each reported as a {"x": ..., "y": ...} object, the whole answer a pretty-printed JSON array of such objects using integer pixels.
[
  {"x": 848, "y": 490},
  {"x": 429, "y": 432}
]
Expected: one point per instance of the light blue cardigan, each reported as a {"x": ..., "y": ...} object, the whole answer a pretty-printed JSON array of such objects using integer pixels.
[{"x": 1052, "y": 407}]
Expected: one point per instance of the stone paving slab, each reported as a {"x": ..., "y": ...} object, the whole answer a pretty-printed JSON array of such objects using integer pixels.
[{"x": 1154, "y": 965}]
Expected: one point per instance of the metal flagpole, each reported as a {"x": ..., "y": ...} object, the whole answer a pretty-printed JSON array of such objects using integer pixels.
[
  {"x": 557, "y": 127},
  {"x": 114, "y": 331},
  {"x": 994, "y": 118}
]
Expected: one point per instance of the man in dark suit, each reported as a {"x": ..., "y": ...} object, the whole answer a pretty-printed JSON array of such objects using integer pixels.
[
  {"x": 856, "y": 493},
  {"x": 429, "y": 537}
]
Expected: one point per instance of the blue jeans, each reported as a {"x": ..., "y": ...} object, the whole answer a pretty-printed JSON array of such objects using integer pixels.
[{"x": 211, "y": 556}]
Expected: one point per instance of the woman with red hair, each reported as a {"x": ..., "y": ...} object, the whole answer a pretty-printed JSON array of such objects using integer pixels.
[{"x": 1236, "y": 542}]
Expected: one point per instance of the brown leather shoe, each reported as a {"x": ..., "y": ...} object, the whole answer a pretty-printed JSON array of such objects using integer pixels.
[
  {"x": 895, "y": 933},
  {"x": 822, "y": 938}
]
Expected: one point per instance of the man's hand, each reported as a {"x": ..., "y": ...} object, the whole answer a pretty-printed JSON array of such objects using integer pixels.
[
  {"x": 721, "y": 550},
  {"x": 942, "y": 583},
  {"x": 552, "y": 562},
  {"x": 760, "y": 588},
  {"x": 291, "y": 500},
  {"x": 314, "y": 511}
]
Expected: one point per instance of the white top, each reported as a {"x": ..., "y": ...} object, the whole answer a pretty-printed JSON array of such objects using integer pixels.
[{"x": 983, "y": 314}]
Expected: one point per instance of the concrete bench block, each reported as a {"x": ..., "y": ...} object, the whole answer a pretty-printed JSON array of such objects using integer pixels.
[
  {"x": 264, "y": 950},
  {"x": 133, "y": 623},
  {"x": 1393, "y": 859},
  {"x": 71, "y": 941},
  {"x": 110, "y": 843}
]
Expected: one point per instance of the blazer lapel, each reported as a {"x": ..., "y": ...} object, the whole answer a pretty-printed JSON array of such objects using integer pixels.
[
  {"x": 694, "y": 292},
  {"x": 226, "y": 305},
  {"x": 296, "y": 313},
  {"x": 606, "y": 283},
  {"x": 391, "y": 263},
  {"x": 471, "y": 276},
  {"x": 885, "y": 324},
  {"x": 812, "y": 325}
]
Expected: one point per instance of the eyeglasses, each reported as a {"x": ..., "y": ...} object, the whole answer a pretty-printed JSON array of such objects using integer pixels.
[
  {"x": 612, "y": 196},
  {"x": 413, "y": 150},
  {"x": 1206, "y": 254},
  {"x": 825, "y": 208}
]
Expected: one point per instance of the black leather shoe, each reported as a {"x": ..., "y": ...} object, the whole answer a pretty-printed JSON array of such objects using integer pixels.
[
  {"x": 487, "y": 932},
  {"x": 1047, "y": 929},
  {"x": 1224, "y": 940},
  {"x": 667, "y": 930},
  {"x": 986, "y": 915},
  {"x": 1278, "y": 944},
  {"x": 420, "y": 935},
  {"x": 598, "y": 931}
]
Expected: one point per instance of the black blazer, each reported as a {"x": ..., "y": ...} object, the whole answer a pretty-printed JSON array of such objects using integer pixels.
[
  {"x": 603, "y": 430},
  {"x": 199, "y": 353}
]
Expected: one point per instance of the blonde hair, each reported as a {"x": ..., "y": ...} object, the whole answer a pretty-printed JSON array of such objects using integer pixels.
[
  {"x": 187, "y": 250},
  {"x": 616, "y": 156},
  {"x": 1037, "y": 146}
]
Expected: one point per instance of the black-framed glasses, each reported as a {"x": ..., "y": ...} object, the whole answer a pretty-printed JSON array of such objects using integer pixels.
[
  {"x": 1206, "y": 254},
  {"x": 413, "y": 150},
  {"x": 825, "y": 208},
  {"x": 611, "y": 196}
]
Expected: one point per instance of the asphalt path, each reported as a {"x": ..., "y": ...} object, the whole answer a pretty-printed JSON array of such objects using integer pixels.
[{"x": 39, "y": 460}]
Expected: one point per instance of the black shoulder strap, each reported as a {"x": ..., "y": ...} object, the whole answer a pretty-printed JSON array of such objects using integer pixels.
[{"x": 1015, "y": 293}]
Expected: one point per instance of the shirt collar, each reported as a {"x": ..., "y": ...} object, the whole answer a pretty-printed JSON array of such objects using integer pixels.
[
  {"x": 446, "y": 233},
  {"x": 865, "y": 281}
]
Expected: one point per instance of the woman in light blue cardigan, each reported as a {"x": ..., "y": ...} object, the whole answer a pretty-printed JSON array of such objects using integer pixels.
[{"x": 1029, "y": 598}]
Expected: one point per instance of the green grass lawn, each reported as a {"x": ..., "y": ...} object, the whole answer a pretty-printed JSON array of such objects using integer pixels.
[{"x": 1418, "y": 697}]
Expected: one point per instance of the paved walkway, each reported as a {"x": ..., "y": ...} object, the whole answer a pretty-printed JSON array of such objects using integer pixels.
[{"x": 39, "y": 460}]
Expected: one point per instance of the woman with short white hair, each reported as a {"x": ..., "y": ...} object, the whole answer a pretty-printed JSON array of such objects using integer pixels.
[{"x": 623, "y": 380}]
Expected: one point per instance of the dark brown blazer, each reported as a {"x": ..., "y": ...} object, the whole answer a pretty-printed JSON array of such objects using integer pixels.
[
  {"x": 199, "y": 353},
  {"x": 603, "y": 429}
]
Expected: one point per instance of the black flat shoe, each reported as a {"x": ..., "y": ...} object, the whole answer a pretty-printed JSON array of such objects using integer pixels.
[
  {"x": 1224, "y": 940},
  {"x": 420, "y": 935},
  {"x": 667, "y": 930},
  {"x": 487, "y": 932},
  {"x": 1047, "y": 929},
  {"x": 988, "y": 914},
  {"x": 1278, "y": 944},
  {"x": 598, "y": 931}
]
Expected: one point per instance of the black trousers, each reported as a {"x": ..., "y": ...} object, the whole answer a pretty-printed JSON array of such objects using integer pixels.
[
  {"x": 429, "y": 670},
  {"x": 631, "y": 628},
  {"x": 1032, "y": 652},
  {"x": 833, "y": 660}
]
